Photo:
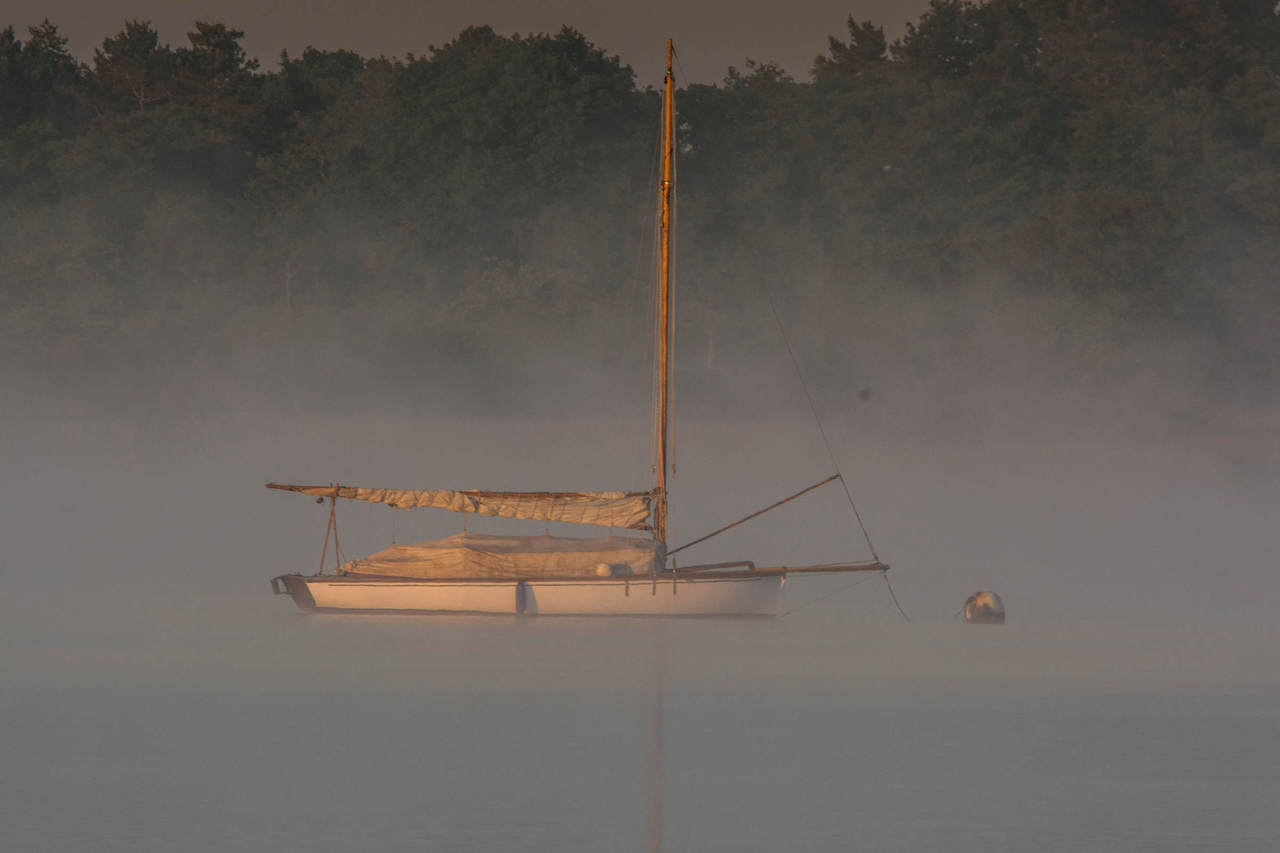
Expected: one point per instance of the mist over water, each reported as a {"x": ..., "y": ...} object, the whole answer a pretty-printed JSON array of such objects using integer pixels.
[{"x": 156, "y": 696}]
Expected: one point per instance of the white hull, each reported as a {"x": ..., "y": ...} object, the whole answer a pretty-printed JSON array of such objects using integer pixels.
[{"x": 707, "y": 596}]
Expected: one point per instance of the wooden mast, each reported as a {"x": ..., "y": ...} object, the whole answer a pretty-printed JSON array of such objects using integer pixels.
[{"x": 664, "y": 296}]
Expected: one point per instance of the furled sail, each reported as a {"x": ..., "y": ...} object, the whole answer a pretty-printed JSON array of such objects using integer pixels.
[{"x": 622, "y": 510}]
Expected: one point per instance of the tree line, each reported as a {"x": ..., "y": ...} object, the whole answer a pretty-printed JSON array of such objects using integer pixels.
[{"x": 1125, "y": 154}]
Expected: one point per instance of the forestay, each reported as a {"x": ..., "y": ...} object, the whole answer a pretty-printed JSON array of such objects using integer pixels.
[
  {"x": 622, "y": 510},
  {"x": 479, "y": 555}
]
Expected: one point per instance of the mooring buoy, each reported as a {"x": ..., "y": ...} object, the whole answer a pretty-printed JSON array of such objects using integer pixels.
[{"x": 984, "y": 608}]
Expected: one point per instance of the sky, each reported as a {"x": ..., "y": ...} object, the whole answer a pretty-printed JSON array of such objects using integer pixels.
[{"x": 710, "y": 35}]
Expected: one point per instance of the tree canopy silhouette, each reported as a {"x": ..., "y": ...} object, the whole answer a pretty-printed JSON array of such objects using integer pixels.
[{"x": 1124, "y": 153}]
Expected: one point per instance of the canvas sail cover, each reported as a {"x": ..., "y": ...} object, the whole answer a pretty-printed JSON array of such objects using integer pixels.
[
  {"x": 622, "y": 510},
  {"x": 481, "y": 555}
]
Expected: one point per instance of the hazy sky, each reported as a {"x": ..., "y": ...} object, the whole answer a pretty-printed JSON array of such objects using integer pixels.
[{"x": 710, "y": 34}]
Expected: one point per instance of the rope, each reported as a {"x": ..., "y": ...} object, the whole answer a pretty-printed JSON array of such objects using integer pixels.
[
  {"x": 680, "y": 65},
  {"x": 328, "y": 525},
  {"x": 885, "y": 575},
  {"x": 760, "y": 512},
  {"x": 672, "y": 302},
  {"x": 338, "y": 556},
  {"x": 649, "y": 229},
  {"x": 675, "y": 182},
  {"x": 826, "y": 597},
  {"x": 795, "y": 363},
  {"x": 655, "y": 255},
  {"x": 332, "y": 525}
]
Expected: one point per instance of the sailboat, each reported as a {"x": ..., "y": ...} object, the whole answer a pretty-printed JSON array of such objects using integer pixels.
[{"x": 613, "y": 575}]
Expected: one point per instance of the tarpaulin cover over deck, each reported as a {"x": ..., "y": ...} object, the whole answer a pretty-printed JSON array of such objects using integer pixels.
[{"x": 482, "y": 555}]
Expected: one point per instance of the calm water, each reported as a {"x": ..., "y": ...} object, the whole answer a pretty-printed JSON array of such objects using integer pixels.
[{"x": 281, "y": 732}]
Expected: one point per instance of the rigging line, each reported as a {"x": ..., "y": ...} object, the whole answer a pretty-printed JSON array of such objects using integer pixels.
[
  {"x": 795, "y": 363},
  {"x": 825, "y": 597},
  {"x": 674, "y": 239},
  {"x": 655, "y": 261},
  {"x": 894, "y": 597},
  {"x": 673, "y": 267},
  {"x": 679, "y": 64},
  {"x": 760, "y": 512},
  {"x": 338, "y": 556},
  {"x": 655, "y": 330},
  {"x": 332, "y": 525},
  {"x": 647, "y": 232},
  {"x": 647, "y": 218},
  {"x": 328, "y": 526}
]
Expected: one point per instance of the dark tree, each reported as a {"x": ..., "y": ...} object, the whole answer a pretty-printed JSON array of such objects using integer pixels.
[{"x": 132, "y": 68}]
